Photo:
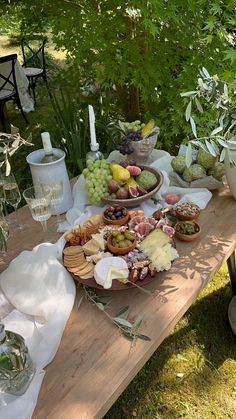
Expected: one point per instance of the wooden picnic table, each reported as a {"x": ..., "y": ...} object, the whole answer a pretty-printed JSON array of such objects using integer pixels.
[{"x": 94, "y": 363}]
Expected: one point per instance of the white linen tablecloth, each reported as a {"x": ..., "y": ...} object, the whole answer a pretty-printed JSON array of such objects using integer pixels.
[
  {"x": 27, "y": 102},
  {"x": 160, "y": 160},
  {"x": 36, "y": 298}
]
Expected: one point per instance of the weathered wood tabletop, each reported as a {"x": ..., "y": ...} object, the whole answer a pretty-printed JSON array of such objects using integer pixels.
[{"x": 94, "y": 363}]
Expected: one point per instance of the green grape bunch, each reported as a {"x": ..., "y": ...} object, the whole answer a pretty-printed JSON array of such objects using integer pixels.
[{"x": 97, "y": 174}]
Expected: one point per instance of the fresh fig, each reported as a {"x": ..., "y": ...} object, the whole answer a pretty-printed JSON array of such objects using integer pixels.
[
  {"x": 131, "y": 163},
  {"x": 124, "y": 164},
  {"x": 113, "y": 186},
  {"x": 122, "y": 193},
  {"x": 141, "y": 190},
  {"x": 134, "y": 170},
  {"x": 133, "y": 192}
]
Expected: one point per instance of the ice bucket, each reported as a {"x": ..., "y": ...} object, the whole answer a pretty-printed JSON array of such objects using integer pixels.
[{"x": 48, "y": 173}]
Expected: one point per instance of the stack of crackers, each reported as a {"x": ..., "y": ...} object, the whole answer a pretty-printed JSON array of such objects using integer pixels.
[{"x": 75, "y": 262}]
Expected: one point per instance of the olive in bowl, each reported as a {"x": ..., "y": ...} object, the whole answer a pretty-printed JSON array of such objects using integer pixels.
[
  {"x": 187, "y": 231},
  {"x": 115, "y": 215},
  {"x": 121, "y": 243}
]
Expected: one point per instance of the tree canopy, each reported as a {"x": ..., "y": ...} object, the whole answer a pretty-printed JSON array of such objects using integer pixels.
[{"x": 147, "y": 51}]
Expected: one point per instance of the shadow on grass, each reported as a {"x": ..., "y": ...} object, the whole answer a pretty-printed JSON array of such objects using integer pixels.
[{"x": 206, "y": 327}]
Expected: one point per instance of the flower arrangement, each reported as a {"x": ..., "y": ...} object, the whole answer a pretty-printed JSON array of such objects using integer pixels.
[{"x": 221, "y": 97}]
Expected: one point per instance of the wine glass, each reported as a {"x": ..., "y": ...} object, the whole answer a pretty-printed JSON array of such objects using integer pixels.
[
  {"x": 12, "y": 195},
  {"x": 39, "y": 202},
  {"x": 2, "y": 192},
  {"x": 4, "y": 233},
  {"x": 57, "y": 194}
]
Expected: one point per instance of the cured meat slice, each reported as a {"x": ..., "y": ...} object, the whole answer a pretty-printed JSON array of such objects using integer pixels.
[
  {"x": 150, "y": 220},
  {"x": 135, "y": 221}
]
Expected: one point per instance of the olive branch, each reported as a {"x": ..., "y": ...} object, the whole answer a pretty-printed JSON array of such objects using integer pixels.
[
  {"x": 126, "y": 328},
  {"x": 9, "y": 144}
]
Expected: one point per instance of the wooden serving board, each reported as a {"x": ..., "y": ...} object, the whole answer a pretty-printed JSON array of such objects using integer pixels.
[{"x": 116, "y": 285}]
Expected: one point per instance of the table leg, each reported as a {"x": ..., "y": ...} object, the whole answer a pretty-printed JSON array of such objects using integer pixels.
[{"x": 232, "y": 271}]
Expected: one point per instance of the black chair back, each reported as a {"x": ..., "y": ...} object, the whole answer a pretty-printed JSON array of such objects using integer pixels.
[
  {"x": 33, "y": 51},
  {"x": 8, "y": 82}
]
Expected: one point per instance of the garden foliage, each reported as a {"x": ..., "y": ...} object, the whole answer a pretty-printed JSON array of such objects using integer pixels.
[{"x": 144, "y": 53}]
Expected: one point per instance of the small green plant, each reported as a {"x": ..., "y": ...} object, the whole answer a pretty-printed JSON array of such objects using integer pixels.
[
  {"x": 187, "y": 227},
  {"x": 9, "y": 144}
]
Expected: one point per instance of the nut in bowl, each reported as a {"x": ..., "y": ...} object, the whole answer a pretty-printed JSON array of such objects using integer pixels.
[
  {"x": 187, "y": 211},
  {"x": 115, "y": 215},
  {"x": 187, "y": 230},
  {"x": 121, "y": 243}
]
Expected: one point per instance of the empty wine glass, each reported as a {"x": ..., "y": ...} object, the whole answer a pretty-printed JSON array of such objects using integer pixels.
[
  {"x": 12, "y": 195},
  {"x": 57, "y": 194},
  {"x": 39, "y": 202}
]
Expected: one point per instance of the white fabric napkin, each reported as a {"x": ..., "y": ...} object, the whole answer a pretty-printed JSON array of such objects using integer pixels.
[
  {"x": 160, "y": 160},
  {"x": 37, "y": 296}
]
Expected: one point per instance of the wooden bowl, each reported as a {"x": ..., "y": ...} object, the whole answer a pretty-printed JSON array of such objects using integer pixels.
[
  {"x": 119, "y": 250},
  {"x": 184, "y": 217},
  {"x": 119, "y": 222},
  {"x": 133, "y": 202},
  {"x": 186, "y": 237}
]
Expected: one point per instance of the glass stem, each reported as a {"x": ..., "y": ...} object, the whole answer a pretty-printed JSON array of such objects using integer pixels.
[
  {"x": 16, "y": 214},
  {"x": 45, "y": 229},
  {"x": 5, "y": 208}
]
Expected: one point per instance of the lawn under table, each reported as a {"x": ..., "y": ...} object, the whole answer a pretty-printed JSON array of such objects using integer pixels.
[{"x": 94, "y": 363}]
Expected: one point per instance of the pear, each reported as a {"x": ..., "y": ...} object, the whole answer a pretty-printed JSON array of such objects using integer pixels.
[{"x": 119, "y": 173}]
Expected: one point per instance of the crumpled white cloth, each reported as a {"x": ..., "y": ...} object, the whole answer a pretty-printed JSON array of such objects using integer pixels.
[
  {"x": 36, "y": 298},
  {"x": 160, "y": 160}
]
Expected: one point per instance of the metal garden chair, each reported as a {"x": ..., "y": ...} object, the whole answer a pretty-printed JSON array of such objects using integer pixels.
[
  {"x": 8, "y": 87},
  {"x": 34, "y": 66}
]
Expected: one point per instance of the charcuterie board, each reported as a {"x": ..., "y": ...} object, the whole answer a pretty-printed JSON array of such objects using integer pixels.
[{"x": 94, "y": 253}]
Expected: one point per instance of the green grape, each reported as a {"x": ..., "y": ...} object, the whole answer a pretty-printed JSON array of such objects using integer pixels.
[{"x": 85, "y": 172}]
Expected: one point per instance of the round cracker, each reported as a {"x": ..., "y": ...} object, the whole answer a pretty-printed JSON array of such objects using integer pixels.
[
  {"x": 72, "y": 250},
  {"x": 85, "y": 270},
  {"x": 78, "y": 267},
  {"x": 87, "y": 276}
]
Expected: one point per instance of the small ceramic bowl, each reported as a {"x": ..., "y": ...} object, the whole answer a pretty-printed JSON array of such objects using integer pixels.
[
  {"x": 119, "y": 222},
  {"x": 180, "y": 209},
  {"x": 186, "y": 237},
  {"x": 120, "y": 250}
]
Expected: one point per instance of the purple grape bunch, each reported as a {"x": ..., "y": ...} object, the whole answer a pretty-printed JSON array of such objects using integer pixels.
[{"x": 125, "y": 146}]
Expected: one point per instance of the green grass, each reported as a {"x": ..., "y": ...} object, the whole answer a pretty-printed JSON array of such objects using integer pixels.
[{"x": 202, "y": 347}]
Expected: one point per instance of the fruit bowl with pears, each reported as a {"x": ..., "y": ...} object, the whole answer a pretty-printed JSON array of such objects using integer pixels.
[
  {"x": 126, "y": 183},
  {"x": 133, "y": 184}
]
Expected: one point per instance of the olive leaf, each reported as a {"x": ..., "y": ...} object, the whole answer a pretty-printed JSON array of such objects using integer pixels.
[
  {"x": 9, "y": 144},
  {"x": 126, "y": 328}
]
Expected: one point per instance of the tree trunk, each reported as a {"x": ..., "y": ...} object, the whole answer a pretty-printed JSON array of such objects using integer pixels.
[{"x": 129, "y": 97}]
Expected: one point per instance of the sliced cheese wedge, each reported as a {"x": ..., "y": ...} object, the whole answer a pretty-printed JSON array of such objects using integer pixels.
[
  {"x": 90, "y": 248},
  {"x": 108, "y": 269},
  {"x": 99, "y": 240},
  {"x": 98, "y": 256}
]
